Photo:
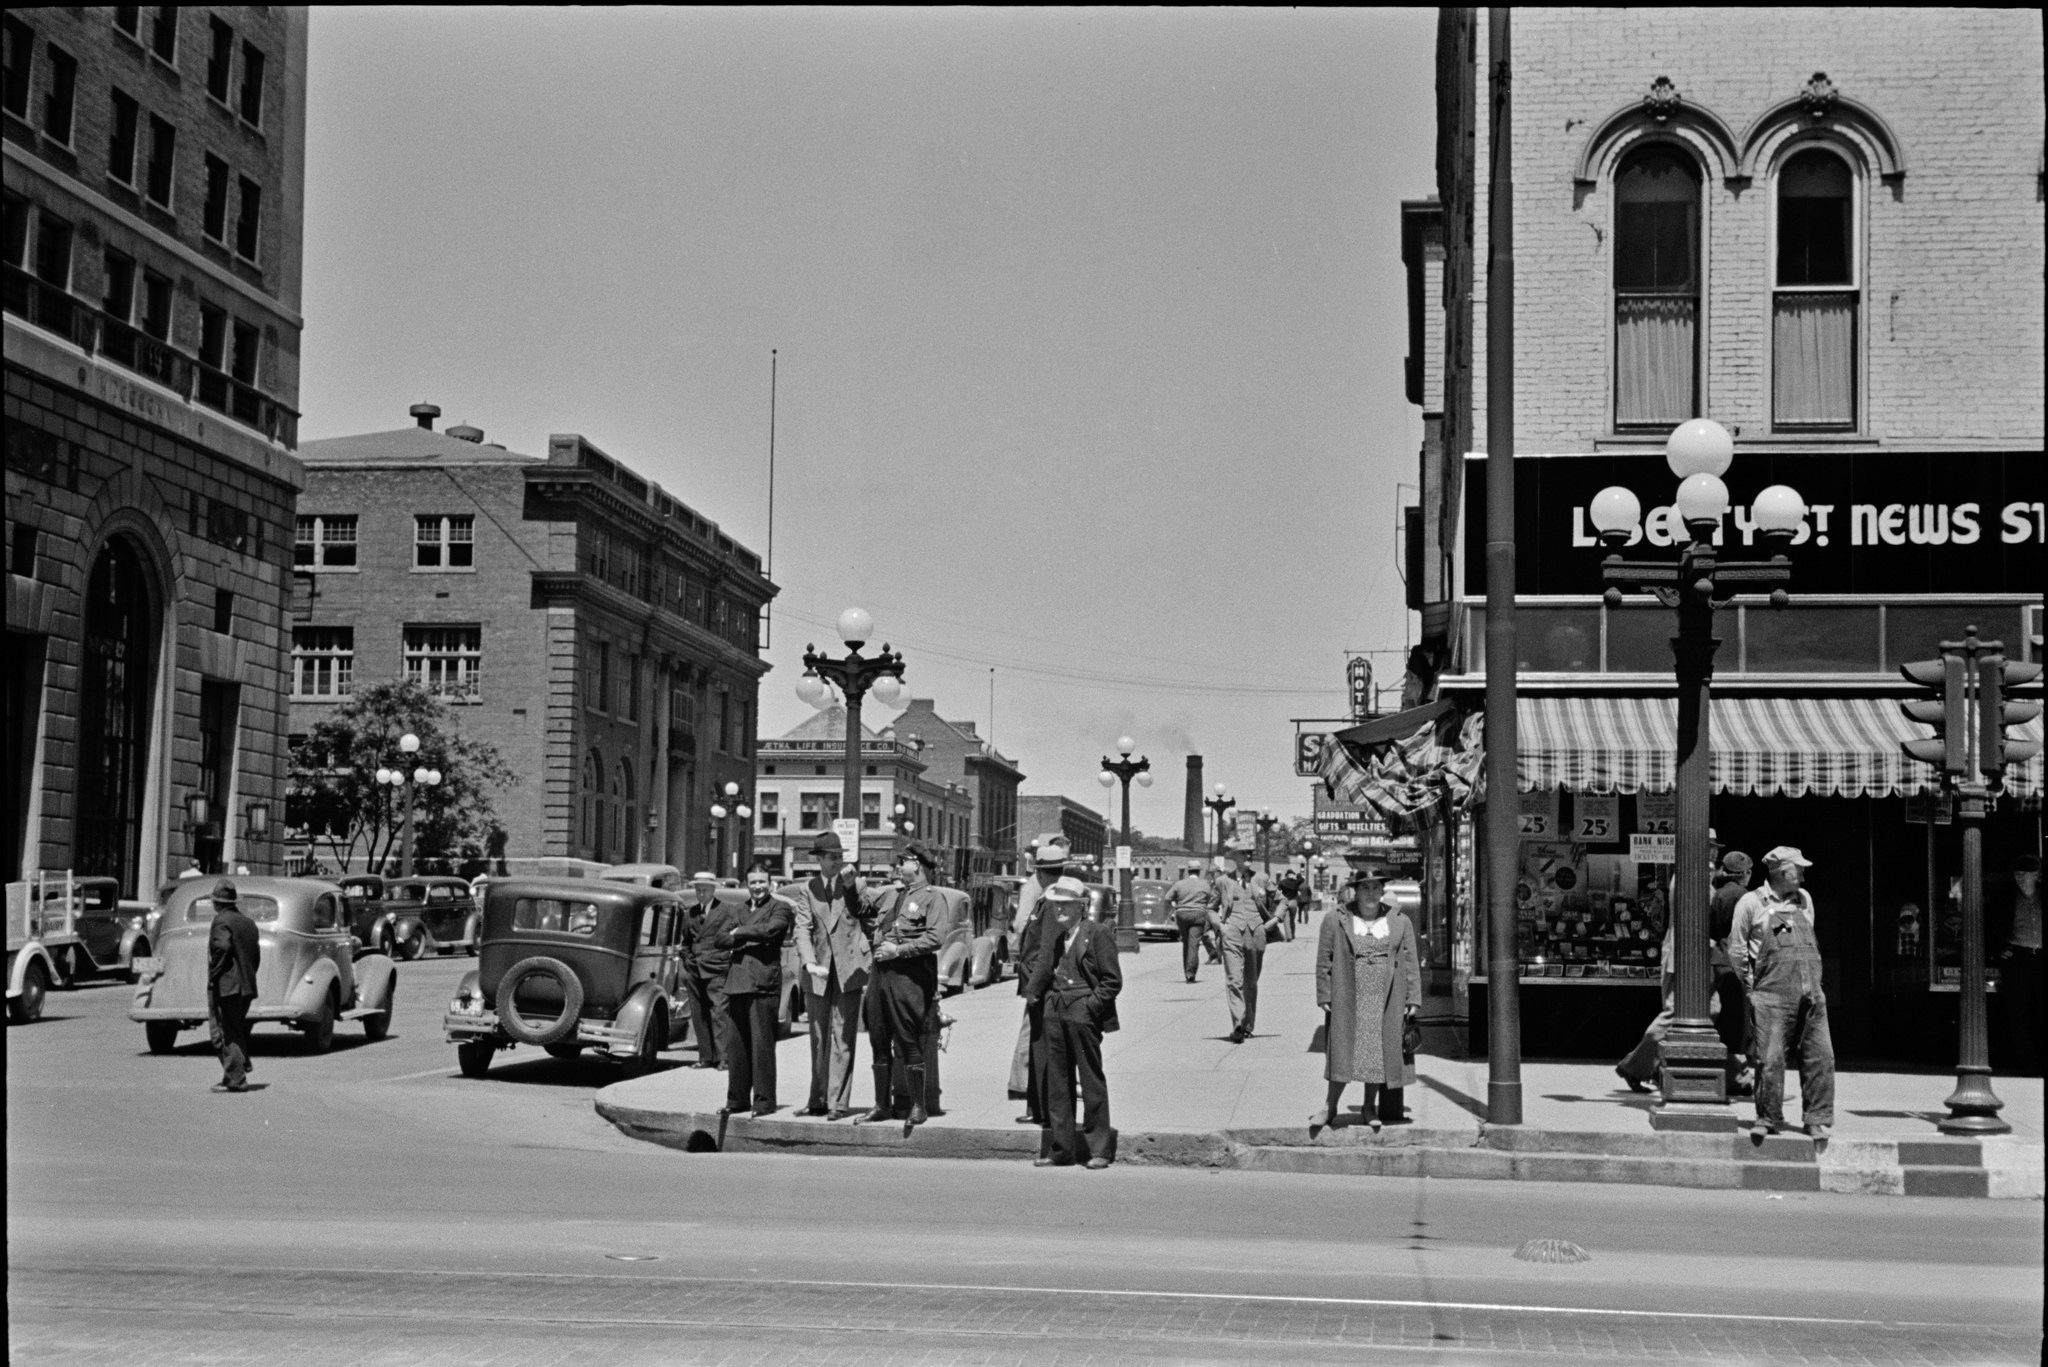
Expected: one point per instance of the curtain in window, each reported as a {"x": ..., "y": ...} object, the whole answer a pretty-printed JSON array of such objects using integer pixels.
[
  {"x": 1813, "y": 346},
  {"x": 1653, "y": 358}
]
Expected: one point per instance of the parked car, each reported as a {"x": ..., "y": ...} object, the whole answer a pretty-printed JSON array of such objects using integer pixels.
[
  {"x": 309, "y": 977},
  {"x": 1155, "y": 917},
  {"x": 432, "y": 915},
  {"x": 666, "y": 876},
  {"x": 112, "y": 933},
  {"x": 569, "y": 964}
]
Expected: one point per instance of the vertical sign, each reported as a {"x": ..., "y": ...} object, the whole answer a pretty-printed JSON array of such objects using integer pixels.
[
  {"x": 1123, "y": 856},
  {"x": 1596, "y": 820},
  {"x": 1539, "y": 815},
  {"x": 1358, "y": 678},
  {"x": 1656, "y": 813},
  {"x": 847, "y": 828}
]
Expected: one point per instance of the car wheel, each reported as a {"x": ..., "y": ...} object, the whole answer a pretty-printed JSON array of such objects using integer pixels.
[
  {"x": 544, "y": 1032},
  {"x": 35, "y": 985},
  {"x": 162, "y": 1035},
  {"x": 474, "y": 1056},
  {"x": 141, "y": 952},
  {"x": 565, "y": 1050},
  {"x": 320, "y": 1030},
  {"x": 376, "y": 1027},
  {"x": 415, "y": 944},
  {"x": 387, "y": 945},
  {"x": 648, "y": 1050}
]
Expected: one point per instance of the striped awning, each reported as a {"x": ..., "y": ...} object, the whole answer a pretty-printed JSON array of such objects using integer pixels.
[{"x": 1789, "y": 747}]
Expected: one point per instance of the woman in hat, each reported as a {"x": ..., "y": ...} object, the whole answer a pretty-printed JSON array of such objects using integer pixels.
[{"x": 1369, "y": 983}]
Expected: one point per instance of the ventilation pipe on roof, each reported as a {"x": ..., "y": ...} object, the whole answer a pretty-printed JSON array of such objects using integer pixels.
[
  {"x": 424, "y": 414},
  {"x": 464, "y": 432}
]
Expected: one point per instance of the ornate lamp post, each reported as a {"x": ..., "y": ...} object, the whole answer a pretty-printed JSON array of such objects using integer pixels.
[
  {"x": 854, "y": 677},
  {"x": 1219, "y": 804},
  {"x": 1699, "y": 453},
  {"x": 1266, "y": 821},
  {"x": 409, "y": 745},
  {"x": 1122, "y": 770},
  {"x": 730, "y": 807}
]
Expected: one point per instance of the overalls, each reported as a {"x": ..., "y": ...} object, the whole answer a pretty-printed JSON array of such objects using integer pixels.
[{"x": 1787, "y": 1009}]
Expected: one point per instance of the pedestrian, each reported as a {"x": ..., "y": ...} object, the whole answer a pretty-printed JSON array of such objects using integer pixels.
[
  {"x": 704, "y": 966},
  {"x": 754, "y": 933},
  {"x": 1190, "y": 900},
  {"x": 1369, "y": 984},
  {"x": 832, "y": 937},
  {"x": 2018, "y": 932},
  {"x": 1259, "y": 885},
  {"x": 1077, "y": 977},
  {"x": 1731, "y": 881},
  {"x": 905, "y": 981},
  {"x": 233, "y": 955},
  {"x": 1049, "y": 854},
  {"x": 1290, "y": 901},
  {"x": 1644, "y": 1061},
  {"x": 1777, "y": 954},
  {"x": 1241, "y": 916}
]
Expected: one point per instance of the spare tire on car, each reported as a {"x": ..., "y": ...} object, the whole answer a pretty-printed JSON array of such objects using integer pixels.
[{"x": 531, "y": 1031}]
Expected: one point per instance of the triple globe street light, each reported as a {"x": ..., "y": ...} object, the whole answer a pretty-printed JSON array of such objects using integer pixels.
[
  {"x": 851, "y": 678},
  {"x": 1122, "y": 770},
  {"x": 731, "y": 806},
  {"x": 397, "y": 777},
  {"x": 1219, "y": 804}
]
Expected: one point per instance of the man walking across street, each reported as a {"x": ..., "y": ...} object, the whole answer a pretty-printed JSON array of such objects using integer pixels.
[
  {"x": 832, "y": 937},
  {"x": 1077, "y": 977},
  {"x": 1240, "y": 921},
  {"x": 1027, "y": 1061},
  {"x": 704, "y": 966},
  {"x": 905, "y": 981},
  {"x": 232, "y": 956},
  {"x": 1774, "y": 948},
  {"x": 1191, "y": 900},
  {"x": 755, "y": 934}
]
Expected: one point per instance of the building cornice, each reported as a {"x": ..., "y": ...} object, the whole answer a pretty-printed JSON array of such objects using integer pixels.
[{"x": 573, "y": 588}]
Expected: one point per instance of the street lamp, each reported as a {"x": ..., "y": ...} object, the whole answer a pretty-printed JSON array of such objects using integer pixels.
[
  {"x": 1219, "y": 804},
  {"x": 854, "y": 677},
  {"x": 730, "y": 807},
  {"x": 1266, "y": 821},
  {"x": 1122, "y": 770},
  {"x": 412, "y": 782},
  {"x": 1699, "y": 453}
]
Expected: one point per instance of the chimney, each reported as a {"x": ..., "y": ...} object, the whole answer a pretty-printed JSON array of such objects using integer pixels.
[
  {"x": 1191, "y": 822},
  {"x": 425, "y": 413},
  {"x": 464, "y": 432}
]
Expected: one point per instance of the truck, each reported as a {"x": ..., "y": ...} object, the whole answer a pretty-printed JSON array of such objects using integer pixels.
[{"x": 41, "y": 931}]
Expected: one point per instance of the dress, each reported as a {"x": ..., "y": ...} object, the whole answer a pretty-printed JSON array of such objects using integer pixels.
[{"x": 1366, "y": 983}]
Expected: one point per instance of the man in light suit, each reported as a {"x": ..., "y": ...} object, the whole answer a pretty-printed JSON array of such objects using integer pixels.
[{"x": 832, "y": 930}]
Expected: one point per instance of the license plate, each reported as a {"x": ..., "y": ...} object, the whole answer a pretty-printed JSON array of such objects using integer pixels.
[{"x": 148, "y": 964}]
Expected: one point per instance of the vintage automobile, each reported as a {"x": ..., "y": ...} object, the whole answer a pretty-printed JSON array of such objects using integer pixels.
[
  {"x": 432, "y": 915},
  {"x": 1154, "y": 917},
  {"x": 569, "y": 964},
  {"x": 666, "y": 876},
  {"x": 112, "y": 933},
  {"x": 309, "y": 977}
]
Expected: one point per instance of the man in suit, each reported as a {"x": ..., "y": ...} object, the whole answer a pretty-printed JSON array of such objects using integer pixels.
[
  {"x": 905, "y": 981},
  {"x": 755, "y": 934},
  {"x": 832, "y": 936},
  {"x": 232, "y": 956},
  {"x": 1243, "y": 907},
  {"x": 1076, "y": 976},
  {"x": 1049, "y": 859},
  {"x": 704, "y": 966},
  {"x": 1190, "y": 900}
]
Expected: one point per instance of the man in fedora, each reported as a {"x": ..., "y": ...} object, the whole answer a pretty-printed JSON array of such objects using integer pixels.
[
  {"x": 232, "y": 956},
  {"x": 905, "y": 982},
  {"x": 1772, "y": 942},
  {"x": 1075, "y": 974},
  {"x": 1243, "y": 908},
  {"x": 704, "y": 969},
  {"x": 1049, "y": 855},
  {"x": 832, "y": 928}
]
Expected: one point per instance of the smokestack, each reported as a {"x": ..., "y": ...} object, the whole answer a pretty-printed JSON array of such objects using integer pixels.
[
  {"x": 1191, "y": 820},
  {"x": 424, "y": 414}
]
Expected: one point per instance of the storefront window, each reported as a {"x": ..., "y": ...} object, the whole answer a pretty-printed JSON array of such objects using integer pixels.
[
  {"x": 1809, "y": 640},
  {"x": 1558, "y": 640},
  {"x": 1639, "y": 639}
]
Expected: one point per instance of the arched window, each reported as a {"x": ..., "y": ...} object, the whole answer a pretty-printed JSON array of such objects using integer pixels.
[
  {"x": 1814, "y": 303},
  {"x": 593, "y": 804},
  {"x": 1656, "y": 287},
  {"x": 622, "y": 810}
]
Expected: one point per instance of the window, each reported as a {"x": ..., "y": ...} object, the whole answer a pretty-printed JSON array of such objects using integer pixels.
[
  {"x": 593, "y": 804},
  {"x": 21, "y": 46},
  {"x": 771, "y": 811},
  {"x": 242, "y": 359},
  {"x": 163, "y": 155},
  {"x": 61, "y": 97},
  {"x": 444, "y": 543},
  {"x": 631, "y": 709},
  {"x": 871, "y": 811},
  {"x": 128, "y": 19},
  {"x": 597, "y": 554},
  {"x": 214, "y": 221},
  {"x": 252, "y": 85},
  {"x": 551, "y": 915},
  {"x": 622, "y": 810},
  {"x": 16, "y": 219},
  {"x": 212, "y": 389},
  {"x": 156, "y": 305},
  {"x": 121, "y": 141},
  {"x": 219, "y": 59},
  {"x": 21, "y": 553},
  {"x": 224, "y": 611},
  {"x": 1814, "y": 307},
  {"x": 1656, "y": 289},
  {"x": 724, "y": 736},
  {"x": 53, "y": 250},
  {"x": 323, "y": 661},
  {"x": 163, "y": 36},
  {"x": 449, "y": 661},
  {"x": 817, "y": 811},
  {"x": 325, "y": 542},
  {"x": 249, "y": 220}
]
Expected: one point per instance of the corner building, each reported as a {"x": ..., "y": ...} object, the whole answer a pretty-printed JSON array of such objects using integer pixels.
[
  {"x": 1821, "y": 228},
  {"x": 154, "y": 185}
]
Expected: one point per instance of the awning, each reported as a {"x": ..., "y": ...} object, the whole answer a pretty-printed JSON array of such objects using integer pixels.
[{"x": 1789, "y": 747}]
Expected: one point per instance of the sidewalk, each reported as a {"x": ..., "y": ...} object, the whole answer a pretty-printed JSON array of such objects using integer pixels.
[{"x": 1181, "y": 1094}]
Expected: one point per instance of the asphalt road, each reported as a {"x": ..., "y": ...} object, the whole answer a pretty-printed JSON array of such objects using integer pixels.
[{"x": 373, "y": 1206}]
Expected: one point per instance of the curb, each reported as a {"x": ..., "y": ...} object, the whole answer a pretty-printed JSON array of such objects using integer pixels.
[{"x": 1999, "y": 1168}]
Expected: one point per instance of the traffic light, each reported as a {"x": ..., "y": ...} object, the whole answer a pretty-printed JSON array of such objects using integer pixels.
[
  {"x": 1995, "y": 674},
  {"x": 1944, "y": 712}
]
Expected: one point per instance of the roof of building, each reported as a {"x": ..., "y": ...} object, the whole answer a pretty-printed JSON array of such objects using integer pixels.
[
  {"x": 408, "y": 444},
  {"x": 827, "y": 724}
]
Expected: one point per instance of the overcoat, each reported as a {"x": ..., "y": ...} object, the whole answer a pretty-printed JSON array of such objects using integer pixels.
[{"x": 1337, "y": 992}]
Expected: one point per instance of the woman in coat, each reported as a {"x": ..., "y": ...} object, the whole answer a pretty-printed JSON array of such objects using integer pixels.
[{"x": 1368, "y": 982}]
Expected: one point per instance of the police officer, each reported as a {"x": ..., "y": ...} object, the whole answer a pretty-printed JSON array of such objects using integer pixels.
[{"x": 900, "y": 996}]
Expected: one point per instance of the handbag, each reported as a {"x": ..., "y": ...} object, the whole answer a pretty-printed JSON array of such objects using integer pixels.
[{"x": 1411, "y": 1039}]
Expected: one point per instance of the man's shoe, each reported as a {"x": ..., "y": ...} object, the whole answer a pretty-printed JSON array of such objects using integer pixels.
[
  {"x": 841, "y": 1114},
  {"x": 1050, "y": 1162},
  {"x": 1819, "y": 1132},
  {"x": 1029, "y": 1119},
  {"x": 1097, "y": 1164},
  {"x": 814, "y": 1110},
  {"x": 875, "y": 1117},
  {"x": 760, "y": 1111},
  {"x": 724, "y": 1111},
  {"x": 1634, "y": 1085},
  {"x": 1762, "y": 1128}
]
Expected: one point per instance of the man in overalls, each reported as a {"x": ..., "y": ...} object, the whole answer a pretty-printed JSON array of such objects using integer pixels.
[{"x": 1775, "y": 951}]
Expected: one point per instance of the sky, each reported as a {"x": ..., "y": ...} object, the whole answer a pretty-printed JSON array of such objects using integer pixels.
[{"x": 1088, "y": 329}]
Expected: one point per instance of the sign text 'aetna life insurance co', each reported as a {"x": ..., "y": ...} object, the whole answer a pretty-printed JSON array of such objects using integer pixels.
[{"x": 1876, "y": 521}]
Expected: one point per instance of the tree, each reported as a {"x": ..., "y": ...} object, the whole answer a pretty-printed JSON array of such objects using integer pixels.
[{"x": 335, "y": 796}]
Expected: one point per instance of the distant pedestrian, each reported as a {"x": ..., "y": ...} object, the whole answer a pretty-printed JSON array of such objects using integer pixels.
[
  {"x": 904, "y": 986},
  {"x": 1190, "y": 900},
  {"x": 755, "y": 934},
  {"x": 1369, "y": 984},
  {"x": 233, "y": 955},
  {"x": 2018, "y": 932},
  {"x": 1731, "y": 881},
  {"x": 1049, "y": 856},
  {"x": 832, "y": 938},
  {"x": 1241, "y": 916},
  {"x": 1290, "y": 883},
  {"x": 704, "y": 966},
  {"x": 1778, "y": 956},
  {"x": 1077, "y": 978}
]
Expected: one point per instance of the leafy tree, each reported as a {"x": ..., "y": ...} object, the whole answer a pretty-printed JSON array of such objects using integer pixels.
[{"x": 336, "y": 797}]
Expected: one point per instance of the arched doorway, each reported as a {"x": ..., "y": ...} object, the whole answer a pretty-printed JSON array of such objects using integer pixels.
[{"x": 117, "y": 671}]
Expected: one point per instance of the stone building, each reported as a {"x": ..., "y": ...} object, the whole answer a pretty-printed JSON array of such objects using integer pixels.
[
  {"x": 155, "y": 179},
  {"x": 953, "y": 752},
  {"x": 603, "y": 635},
  {"x": 1087, "y": 831},
  {"x": 798, "y": 794}
]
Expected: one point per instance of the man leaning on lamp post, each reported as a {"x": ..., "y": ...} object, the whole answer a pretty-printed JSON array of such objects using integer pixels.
[{"x": 833, "y": 926}]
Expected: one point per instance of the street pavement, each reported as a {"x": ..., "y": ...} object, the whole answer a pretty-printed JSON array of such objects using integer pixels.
[{"x": 372, "y": 1206}]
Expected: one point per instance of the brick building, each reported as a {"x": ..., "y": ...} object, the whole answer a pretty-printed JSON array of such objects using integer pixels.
[
  {"x": 155, "y": 175},
  {"x": 1086, "y": 830},
  {"x": 798, "y": 792},
  {"x": 1823, "y": 229},
  {"x": 953, "y": 752},
  {"x": 597, "y": 631}
]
